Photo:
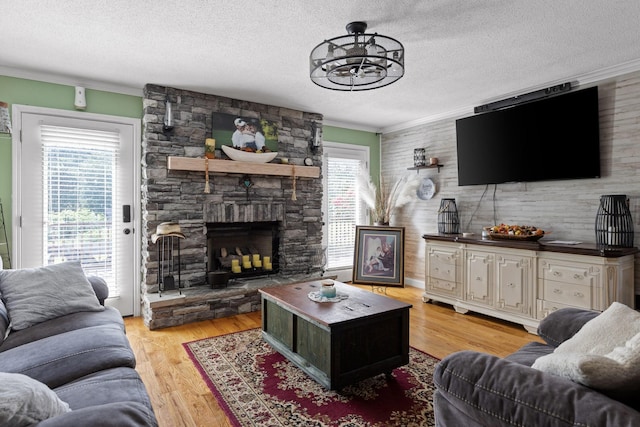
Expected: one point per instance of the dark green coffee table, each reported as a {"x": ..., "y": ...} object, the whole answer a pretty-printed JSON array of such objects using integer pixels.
[{"x": 336, "y": 343}]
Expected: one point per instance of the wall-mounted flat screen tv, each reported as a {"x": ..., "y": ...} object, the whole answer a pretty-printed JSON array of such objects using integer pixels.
[{"x": 553, "y": 138}]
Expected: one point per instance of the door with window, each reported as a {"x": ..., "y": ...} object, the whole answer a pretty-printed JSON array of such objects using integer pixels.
[
  {"x": 342, "y": 205},
  {"x": 74, "y": 180}
]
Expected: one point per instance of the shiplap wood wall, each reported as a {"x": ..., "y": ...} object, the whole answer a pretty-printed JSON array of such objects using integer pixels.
[{"x": 565, "y": 208}]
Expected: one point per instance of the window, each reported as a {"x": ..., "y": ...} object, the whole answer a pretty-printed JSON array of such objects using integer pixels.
[
  {"x": 78, "y": 185},
  {"x": 342, "y": 205}
]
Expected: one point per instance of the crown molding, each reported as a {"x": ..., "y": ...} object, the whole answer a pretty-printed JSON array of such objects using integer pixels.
[
  {"x": 347, "y": 125},
  {"x": 590, "y": 78},
  {"x": 70, "y": 81},
  {"x": 600, "y": 75}
]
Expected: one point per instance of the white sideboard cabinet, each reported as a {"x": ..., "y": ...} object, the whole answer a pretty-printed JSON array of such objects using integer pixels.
[{"x": 523, "y": 282}]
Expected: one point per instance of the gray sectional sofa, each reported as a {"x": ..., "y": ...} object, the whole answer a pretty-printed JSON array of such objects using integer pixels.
[
  {"x": 69, "y": 366},
  {"x": 587, "y": 374}
]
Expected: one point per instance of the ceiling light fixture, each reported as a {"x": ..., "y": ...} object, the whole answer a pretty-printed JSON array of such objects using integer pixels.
[{"x": 357, "y": 61}]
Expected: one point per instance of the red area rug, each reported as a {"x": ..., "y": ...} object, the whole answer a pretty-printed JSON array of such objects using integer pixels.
[{"x": 256, "y": 386}]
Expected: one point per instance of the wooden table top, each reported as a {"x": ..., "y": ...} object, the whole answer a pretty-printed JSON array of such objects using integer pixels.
[{"x": 360, "y": 303}]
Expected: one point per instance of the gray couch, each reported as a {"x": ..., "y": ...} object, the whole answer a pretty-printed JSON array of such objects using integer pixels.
[
  {"x": 85, "y": 358},
  {"x": 475, "y": 389}
]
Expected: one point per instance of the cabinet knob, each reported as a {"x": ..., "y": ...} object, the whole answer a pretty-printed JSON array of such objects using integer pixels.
[
  {"x": 478, "y": 278},
  {"x": 579, "y": 294},
  {"x": 578, "y": 276},
  {"x": 511, "y": 285},
  {"x": 557, "y": 291},
  {"x": 557, "y": 273}
]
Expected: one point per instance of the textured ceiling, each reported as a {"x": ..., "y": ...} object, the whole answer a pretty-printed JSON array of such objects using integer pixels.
[{"x": 459, "y": 53}]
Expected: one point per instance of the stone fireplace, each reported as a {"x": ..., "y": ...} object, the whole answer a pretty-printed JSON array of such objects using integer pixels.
[{"x": 280, "y": 216}]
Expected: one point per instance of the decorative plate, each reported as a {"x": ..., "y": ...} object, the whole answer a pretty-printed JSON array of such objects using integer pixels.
[
  {"x": 318, "y": 297},
  {"x": 426, "y": 190},
  {"x": 245, "y": 156}
]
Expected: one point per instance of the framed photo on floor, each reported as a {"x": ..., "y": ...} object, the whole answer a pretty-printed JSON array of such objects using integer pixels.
[{"x": 379, "y": 256}]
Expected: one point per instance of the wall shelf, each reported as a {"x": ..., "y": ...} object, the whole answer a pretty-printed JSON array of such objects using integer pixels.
[
  {"x": 418, "y": 168},
  {"x": 232, "y": 166}
]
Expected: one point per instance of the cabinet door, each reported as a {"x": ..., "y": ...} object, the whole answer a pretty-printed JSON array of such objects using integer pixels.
[
  {"x": 479, "y": 277},
  {"x": 514, "y": 284}
]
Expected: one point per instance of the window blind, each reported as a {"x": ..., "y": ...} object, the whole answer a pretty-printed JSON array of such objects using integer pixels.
[
  {"x": 79, "y": 182},
  {"x": 344, "y": 210}
]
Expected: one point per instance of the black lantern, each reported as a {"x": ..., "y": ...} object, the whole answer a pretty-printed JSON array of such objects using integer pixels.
[
  {"x": 448, "y": 221},
  {"x": 614, "y": 226}
]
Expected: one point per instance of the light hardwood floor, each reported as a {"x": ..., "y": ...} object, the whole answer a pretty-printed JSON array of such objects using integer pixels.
[{"x": 181, "y": 398}]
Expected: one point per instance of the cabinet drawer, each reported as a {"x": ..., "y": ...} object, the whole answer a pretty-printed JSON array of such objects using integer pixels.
[
  {"x": 576, "y": 274},
  {"x": 545, "y": 308},
  {"x": 441, "y": 269},
  {"x": 443, "y": 287},
  {"x": 569, "y": 294}
]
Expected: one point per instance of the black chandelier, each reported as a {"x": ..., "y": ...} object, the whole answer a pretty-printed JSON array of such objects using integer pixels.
[{"x": 357, "y": 61}]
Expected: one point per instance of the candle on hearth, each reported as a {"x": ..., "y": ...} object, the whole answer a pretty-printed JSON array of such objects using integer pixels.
[
  {"x": 236, "y": 269},
  {"x": 256, "y": 257},
  {"x": 268, "y": 266},
  {"x": 235, "y": 263},
  {"x": 245, "y": 258},
  {"x": 257, "y": 263},
  {"x": 266, "y": 259},
  {"x": 246, "y": 265}
]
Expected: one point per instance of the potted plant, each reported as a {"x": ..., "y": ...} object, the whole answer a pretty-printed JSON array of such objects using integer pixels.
[{"x": 383, "y": 200}]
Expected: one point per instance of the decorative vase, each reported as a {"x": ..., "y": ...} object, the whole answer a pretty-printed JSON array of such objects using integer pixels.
[
  {"x": 614, "y": 225},
  {"x": 448, "y": 221}
]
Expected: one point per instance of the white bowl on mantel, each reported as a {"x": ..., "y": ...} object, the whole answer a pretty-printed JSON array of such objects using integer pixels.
[{"x": 246, "y": 156}]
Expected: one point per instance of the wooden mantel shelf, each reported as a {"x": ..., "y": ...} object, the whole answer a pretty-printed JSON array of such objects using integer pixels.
[{"x": 232, "y": 166}]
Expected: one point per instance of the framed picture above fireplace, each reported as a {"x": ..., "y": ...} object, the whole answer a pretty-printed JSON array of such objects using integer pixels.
[
  {"x": 379, "y": 256},
  {"x": 244, "y": 132}
]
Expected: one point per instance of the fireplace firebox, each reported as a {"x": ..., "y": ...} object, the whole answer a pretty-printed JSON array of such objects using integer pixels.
[{"x": 238, "y": 250}]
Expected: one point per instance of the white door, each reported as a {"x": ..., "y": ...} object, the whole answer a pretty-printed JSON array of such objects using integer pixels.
[
  {"x": 341, "y": 205},
  {"x": 75, "y": 181}
]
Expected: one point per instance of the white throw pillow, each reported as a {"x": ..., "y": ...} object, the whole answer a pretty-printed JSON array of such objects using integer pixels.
[
  {"x": 25, "y": 401},
  {"x": 604, "y": 354},
  {"x": 33, "y": 295}
]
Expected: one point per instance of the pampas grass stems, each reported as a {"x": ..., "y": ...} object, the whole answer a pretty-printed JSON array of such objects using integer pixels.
[{"x": 383, "y": 201}]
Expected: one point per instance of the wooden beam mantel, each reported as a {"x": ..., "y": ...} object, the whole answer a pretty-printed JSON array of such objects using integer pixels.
[{"x": 232, "y": 166}]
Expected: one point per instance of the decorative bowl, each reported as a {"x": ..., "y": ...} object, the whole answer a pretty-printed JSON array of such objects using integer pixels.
[
  {"x": 246, "y": 156},
  {"x": 499, "y": 236},
  {"x": 508, "y": 232}
]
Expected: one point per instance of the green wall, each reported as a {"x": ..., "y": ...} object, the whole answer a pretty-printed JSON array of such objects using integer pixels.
[
  {"x": 40, "y": 94},
  {"x": 357, "y": 137}
]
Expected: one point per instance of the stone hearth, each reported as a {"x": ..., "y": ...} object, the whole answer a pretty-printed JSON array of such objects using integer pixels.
[{"x": 175, "y": 195}]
